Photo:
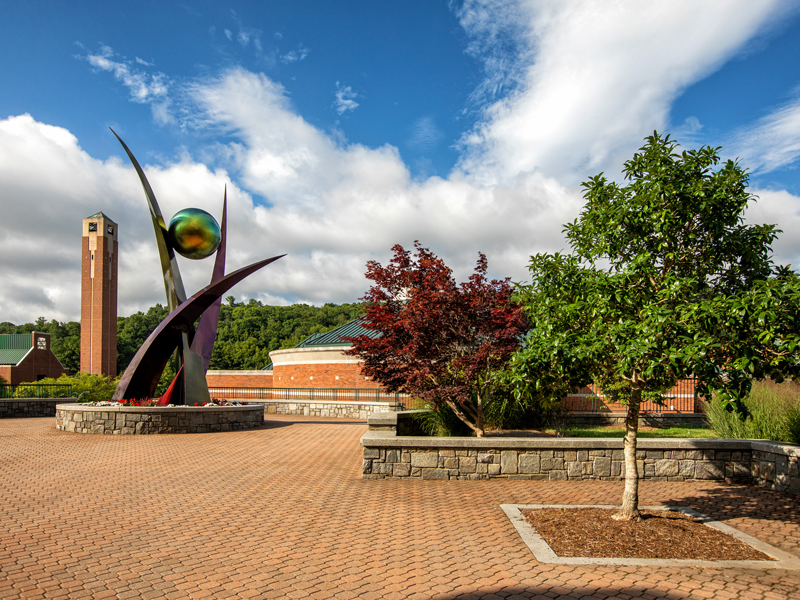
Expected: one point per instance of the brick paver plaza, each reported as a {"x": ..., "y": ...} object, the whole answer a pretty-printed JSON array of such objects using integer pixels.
[{"x": 281, "y": 512}]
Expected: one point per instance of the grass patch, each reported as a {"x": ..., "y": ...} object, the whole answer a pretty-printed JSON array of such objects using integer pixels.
[{"x": 618, "y": 432}]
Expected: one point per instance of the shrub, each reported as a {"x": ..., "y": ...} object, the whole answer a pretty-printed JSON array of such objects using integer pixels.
[
  {"x": 85, "y": 386},
  {"x": 505, "y": 413},
  {"x": 441, "y": 421},
  {"x": 774, "y": 414}
]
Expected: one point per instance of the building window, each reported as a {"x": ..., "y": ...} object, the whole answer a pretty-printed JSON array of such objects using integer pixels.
[{"x": 41, "y": 343}]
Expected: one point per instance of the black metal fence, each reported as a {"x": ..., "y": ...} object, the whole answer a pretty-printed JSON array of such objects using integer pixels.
[
  {"x": 36, "y": 390},
  {"x": 396, "y": 399},
  {"x": 682, "y": 398}
]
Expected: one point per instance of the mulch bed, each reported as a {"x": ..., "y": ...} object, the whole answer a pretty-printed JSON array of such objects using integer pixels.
[{"x": 592, "y": 533}]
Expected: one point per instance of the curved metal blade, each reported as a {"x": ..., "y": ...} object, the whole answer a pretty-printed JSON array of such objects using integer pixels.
[
  {"x": 141, "y": 376},
  {"x": 173, "y": 284},
  {"x": 203, "y": 343}
]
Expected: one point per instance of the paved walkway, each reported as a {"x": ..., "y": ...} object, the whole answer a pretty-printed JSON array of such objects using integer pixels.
[{"x": 281, "y": 512}]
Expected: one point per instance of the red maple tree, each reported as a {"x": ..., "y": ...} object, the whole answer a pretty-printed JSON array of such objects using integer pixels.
[{"x": 438, "y": 340}]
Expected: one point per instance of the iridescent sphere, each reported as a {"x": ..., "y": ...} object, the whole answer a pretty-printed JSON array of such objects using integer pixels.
[{"x": 194, "y": 233}]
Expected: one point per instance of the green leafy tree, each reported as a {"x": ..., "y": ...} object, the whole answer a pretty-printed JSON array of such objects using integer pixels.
[
  {"x": 246, "y": 334},
  {"x": 665, "y": 281}
]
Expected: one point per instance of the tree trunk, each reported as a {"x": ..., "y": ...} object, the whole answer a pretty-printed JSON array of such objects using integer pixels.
[
  {"x": 477, "y": 426},
  {"x": 630, "y": 497}
]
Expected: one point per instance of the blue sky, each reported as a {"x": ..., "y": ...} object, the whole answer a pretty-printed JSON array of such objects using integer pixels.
[{"x": 344, "y": 127}]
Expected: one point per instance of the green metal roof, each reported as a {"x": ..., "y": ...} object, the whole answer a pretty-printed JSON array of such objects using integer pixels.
[
  {"x": 334, "y": 336},
  {"x": 99, "y": 215},
  {"x": 14, "y": 347}
]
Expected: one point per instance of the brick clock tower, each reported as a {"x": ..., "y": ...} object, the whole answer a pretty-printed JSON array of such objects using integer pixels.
[{"x": 99, "y": 296}]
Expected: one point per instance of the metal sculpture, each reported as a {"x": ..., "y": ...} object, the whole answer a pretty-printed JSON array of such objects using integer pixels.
[{"x": 194, "y": 234}]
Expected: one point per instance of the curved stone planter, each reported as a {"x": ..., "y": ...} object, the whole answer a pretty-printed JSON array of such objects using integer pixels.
[{"x": 140, "y": 420}]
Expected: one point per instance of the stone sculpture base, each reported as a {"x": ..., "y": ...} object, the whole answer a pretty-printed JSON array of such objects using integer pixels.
[{"x": 140, "y": 420}]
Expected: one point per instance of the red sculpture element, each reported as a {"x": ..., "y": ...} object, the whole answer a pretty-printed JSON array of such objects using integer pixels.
[{"x": 167, "y": 397}]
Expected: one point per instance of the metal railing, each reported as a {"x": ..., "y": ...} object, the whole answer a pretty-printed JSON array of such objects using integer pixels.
[
  {"x": 36, "y": 390},
  {"x": 682, "y": 398},
  {"x": 396, "y": 399}
]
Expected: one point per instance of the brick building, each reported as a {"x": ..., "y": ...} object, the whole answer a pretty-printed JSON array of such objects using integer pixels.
[
  {"x": 27, "y": 357},
  {"x": 99, "y": 260},
  {"x": 319, "y": 361}
]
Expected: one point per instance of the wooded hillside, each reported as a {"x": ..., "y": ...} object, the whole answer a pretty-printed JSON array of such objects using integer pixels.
[{"x": 247, "y": 332}]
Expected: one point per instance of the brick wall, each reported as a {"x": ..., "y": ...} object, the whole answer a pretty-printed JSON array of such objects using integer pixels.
[
  {"x": 318, "y": 367},
  {"x": 239, "y": 379},
  {"x": 315, "y": 375}
]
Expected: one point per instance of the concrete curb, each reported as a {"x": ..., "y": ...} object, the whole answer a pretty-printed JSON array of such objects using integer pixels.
[{"x": 544, "y": 553}]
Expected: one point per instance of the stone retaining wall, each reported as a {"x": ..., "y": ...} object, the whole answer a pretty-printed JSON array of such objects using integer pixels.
[
  {"x": 31, "y": 407},
  {"x": 130, "y": 420},
  {"x": 352, "y": 410},
  {"x": 387, "y": 454}
]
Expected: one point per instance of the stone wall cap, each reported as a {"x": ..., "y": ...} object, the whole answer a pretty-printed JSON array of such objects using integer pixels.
[
  {"x": 382, "y": 418},
  {"x": 386, "y": 439},
  {"x": 160, "y": 409},
  {"x": 776, "y": 447},
  {"x": 377, "y": 435},
  {"x": 33, "y": 399}
]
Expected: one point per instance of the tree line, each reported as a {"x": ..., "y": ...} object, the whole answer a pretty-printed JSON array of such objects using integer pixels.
[{"x": 247, "y": 332}]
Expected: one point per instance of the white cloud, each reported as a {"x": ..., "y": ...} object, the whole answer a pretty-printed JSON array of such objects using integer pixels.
[
  {"x": 143, "y": 87},
  {"x": 334, "y": 206},
  {"x": 425, "y": 135},
  {"x": 587, "y": 86},
  {"x": 50, "y": 184},
  {"x": 345, "y": 99},
  {"x": 770, "y": 143},
  {"x": 781, "y": 208},
  {"x": 591, "y": 79},
  {"x": 293, "y": 56}
]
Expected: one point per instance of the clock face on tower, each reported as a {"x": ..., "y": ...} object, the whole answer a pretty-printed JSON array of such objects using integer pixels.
[
  {"x": 92, "y": 226},
  {"x": 110, "y": 230}
]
